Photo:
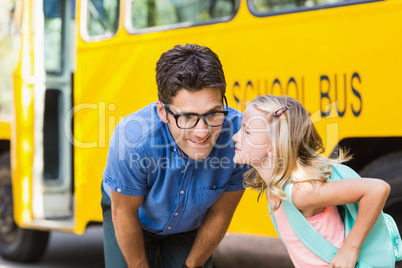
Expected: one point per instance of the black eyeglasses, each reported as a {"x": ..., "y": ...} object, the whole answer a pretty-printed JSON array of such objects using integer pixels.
[{"x": 190, "y": 120}]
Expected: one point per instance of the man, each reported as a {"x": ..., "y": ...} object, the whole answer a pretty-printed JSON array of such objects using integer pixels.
[{"x": 170, "y": 186}]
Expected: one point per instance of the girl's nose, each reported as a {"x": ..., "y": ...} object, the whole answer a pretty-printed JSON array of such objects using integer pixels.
[{"x": 236, "y": 137}]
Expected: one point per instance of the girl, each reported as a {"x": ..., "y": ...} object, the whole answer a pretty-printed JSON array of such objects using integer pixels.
[{"x": 278, "y": 139}]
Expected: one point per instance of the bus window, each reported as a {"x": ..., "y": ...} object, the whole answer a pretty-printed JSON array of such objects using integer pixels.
[
  {"x": 102, "y": 17},
  {"x": 53, "y": 36},
  {"x": 265, "y": 7},
  {"x": 152, "y": 13}
]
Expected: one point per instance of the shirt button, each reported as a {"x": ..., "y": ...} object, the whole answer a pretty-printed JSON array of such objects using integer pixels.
[
  {"x": 176, "y": 214},
  {"x": 169, "y": 228},
  {"x": 214, "y": 187},
  {"x": 181, "y": 192},
  {"x": 118, "y": 190},
  {"x": 175, "y": 149}
]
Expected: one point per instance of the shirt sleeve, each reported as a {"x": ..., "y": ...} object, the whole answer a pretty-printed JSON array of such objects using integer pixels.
[
  {"x": 236, "y": 179},
  {"x": 123, "y": 172}
]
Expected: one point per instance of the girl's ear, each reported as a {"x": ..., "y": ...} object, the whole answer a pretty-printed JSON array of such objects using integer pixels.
[
  {"x": 161, "y": 111},
  {"x": 271, "y": 152}
]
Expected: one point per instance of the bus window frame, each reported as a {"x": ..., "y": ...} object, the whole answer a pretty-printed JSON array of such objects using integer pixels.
[
  {"x": 64, "y": 20},
  {"x": 84, "y": 22},
  {"x": 260, "y": 14},
  {"x": 131, "y": 30}
]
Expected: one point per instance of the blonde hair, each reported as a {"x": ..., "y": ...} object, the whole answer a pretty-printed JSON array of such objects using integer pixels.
[{"x": 297, "y": 147}]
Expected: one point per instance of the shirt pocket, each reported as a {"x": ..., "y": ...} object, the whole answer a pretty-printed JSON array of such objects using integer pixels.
[{"x": 209, "y": 196}]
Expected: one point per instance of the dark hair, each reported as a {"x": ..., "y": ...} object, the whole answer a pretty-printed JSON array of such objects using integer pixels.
[{"x": 191, "y": 67}]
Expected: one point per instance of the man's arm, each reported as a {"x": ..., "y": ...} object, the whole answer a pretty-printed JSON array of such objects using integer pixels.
[
  {"x": 128, "y": 228},
  {"x": 213, "y": 228}
]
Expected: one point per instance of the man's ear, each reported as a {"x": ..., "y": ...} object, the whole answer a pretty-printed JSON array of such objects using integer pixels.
[{"x": 161, "y": 111}]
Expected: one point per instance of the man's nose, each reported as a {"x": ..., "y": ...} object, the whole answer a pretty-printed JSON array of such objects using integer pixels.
[{"x": 201, "y": 129}]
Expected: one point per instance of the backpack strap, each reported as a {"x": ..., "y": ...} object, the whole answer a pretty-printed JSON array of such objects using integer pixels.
[
  {"x": 309, "y": 236},
  {"x": 274, "y": 221},
  {"x": 340, "y": 172}
]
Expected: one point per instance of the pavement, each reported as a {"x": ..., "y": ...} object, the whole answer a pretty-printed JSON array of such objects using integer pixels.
[
  {"x": 244, "y": 251},
  {"x": 66, "y": 250}
]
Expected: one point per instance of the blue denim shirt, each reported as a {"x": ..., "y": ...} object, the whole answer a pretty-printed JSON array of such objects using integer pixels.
[{"x": 144, "y": 159}]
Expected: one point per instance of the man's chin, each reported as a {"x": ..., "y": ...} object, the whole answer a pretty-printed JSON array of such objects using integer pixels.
[{"x": 199, "y": 155}]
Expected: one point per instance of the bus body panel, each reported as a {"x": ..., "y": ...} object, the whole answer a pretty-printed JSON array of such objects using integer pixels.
[
  {"x": 348, "y": 54},
  {"x": 5, "y": 130},
  {"x": 313, "y": 56},
  {"x": 22, "y": 145}
]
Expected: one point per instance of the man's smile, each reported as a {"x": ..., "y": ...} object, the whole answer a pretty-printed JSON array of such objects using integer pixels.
[{"x": 200, "y": 142}]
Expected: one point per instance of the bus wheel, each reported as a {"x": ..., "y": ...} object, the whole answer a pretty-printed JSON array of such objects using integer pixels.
[
  {"x": 389, "y": 168},
  {"x": 16, "y": 244}
]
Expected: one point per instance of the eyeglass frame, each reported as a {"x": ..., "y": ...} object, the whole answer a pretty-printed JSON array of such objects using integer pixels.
[{"x": 199, "y": 116}]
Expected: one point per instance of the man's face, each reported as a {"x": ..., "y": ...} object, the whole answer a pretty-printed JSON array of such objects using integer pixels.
[{"x": 198, "y": 142}]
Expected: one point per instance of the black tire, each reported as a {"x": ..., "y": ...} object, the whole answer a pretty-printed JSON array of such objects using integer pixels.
[
  {"x": 16, "y": 244},
  {"x": 389, "y": 168}
]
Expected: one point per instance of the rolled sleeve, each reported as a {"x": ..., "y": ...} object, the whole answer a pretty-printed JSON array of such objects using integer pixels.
[
  {"x": 123, "y": 172},
  {"x": 236, "y": 179}
]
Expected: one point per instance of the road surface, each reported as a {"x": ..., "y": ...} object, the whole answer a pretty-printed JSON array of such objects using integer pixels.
[{"x": 67, "y": 250}]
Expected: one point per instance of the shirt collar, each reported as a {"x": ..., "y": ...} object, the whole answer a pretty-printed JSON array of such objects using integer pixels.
[{"x": 173, "y": 143}]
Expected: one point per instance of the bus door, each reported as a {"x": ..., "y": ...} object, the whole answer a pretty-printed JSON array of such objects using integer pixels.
[{"x": 52, "y": 194}]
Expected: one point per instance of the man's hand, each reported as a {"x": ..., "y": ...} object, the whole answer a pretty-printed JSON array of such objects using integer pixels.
[{"x": 213, "y": 228}]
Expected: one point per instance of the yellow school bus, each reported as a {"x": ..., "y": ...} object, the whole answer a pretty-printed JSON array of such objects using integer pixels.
[{"x": 84, "y": 65}]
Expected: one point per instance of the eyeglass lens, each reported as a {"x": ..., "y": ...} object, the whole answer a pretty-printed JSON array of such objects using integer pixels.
[{"x": 211, "y": 119}]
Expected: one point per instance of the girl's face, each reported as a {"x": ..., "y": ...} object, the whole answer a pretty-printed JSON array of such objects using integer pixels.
[{"x": 253, "y": 141}]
